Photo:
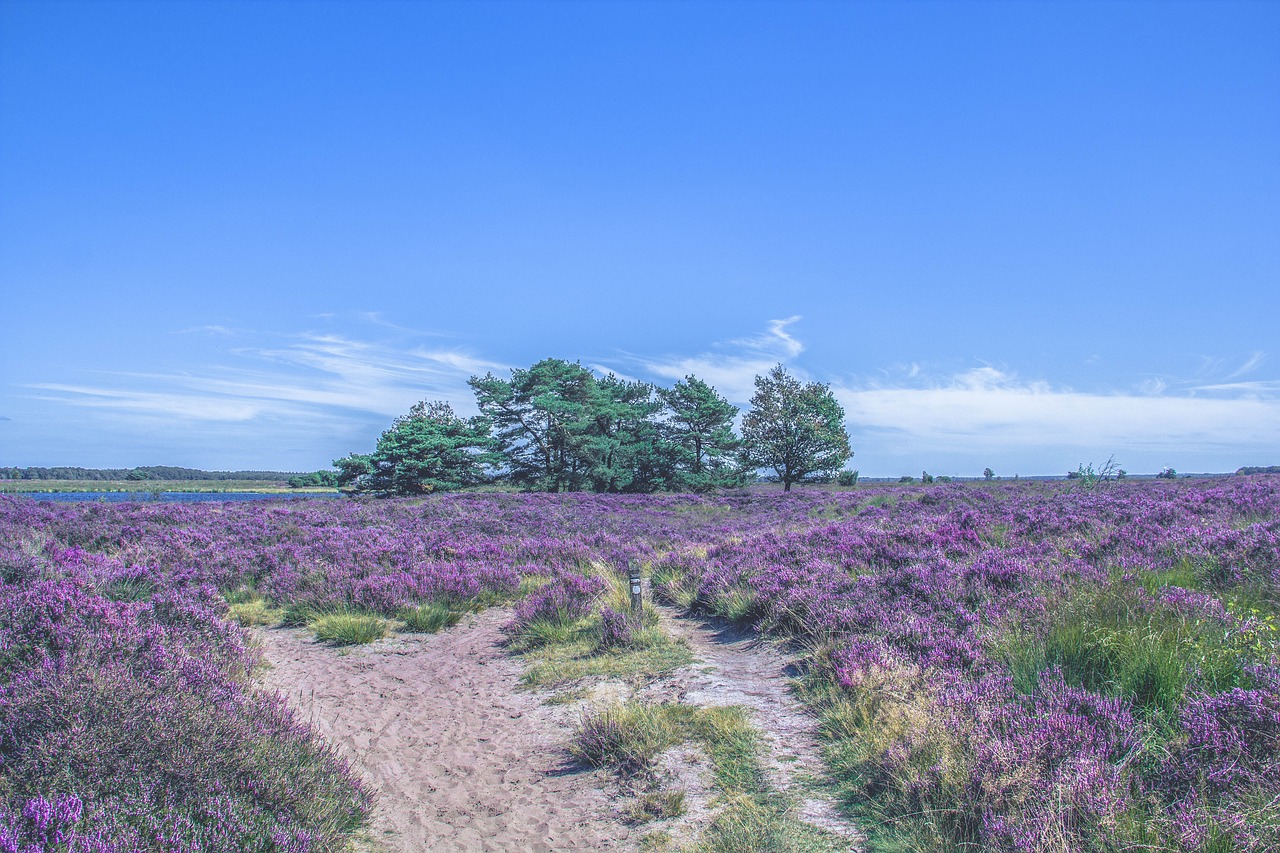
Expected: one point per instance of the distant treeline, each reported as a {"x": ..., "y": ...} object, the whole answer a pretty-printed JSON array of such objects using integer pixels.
[
  {"x": 146, "y": 472},
  {"x": 1256, "y": 469}
]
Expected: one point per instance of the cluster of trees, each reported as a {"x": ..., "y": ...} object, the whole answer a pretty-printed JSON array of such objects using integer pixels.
[
  {"x": 146, "y": 472},
  {"x": 557, "y": 427},
  {"x": 315, "y": 478}
]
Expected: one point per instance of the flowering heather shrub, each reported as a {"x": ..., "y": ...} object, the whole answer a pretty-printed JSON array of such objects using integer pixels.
[
  {"x": 130, "y": 725},
  {"x": 567, "y": 597},
  {"x": 616, "y": 630},
  {"x": 1014, "y": 667}
]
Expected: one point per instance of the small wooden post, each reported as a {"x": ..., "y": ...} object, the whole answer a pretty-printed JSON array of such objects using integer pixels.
[{"x": 637, "y": 598}]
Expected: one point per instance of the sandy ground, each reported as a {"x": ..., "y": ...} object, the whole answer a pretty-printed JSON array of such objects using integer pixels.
[
  {"x": 463, "y": 760},
  {"x": 460, "y": 758},
  {"x": 734, "y": 667}
]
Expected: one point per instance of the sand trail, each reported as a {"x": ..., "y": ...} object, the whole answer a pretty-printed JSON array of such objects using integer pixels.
[
  {"x": 460, "y": 758},
  {"x": 733, "y": 666}
]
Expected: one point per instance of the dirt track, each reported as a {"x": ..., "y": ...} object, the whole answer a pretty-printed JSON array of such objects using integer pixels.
[{"x": 461, "y": 760}]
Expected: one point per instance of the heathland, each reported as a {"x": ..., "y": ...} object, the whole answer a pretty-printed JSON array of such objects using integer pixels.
[{"x": 999, "y": 666}]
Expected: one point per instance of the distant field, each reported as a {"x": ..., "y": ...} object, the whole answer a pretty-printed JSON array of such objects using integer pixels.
[{"x": 24, "y": 486}]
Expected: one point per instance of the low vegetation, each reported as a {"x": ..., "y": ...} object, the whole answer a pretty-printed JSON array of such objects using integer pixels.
[
  {"x": 629, "y": 738},
  {"x": 349, "y": 629},
  {"x": 579, "y": 626},
  {"x": 1005, "y": 666}
]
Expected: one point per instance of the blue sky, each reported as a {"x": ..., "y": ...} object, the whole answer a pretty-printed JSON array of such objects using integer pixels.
[{"x": 1024, "y": 235}]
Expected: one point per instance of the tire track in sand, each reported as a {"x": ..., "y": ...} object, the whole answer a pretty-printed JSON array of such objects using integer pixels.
[{"x": 460, "y": 758}]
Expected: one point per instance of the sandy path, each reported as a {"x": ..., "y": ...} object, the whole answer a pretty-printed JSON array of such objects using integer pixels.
[
  {"x": 734, "y": 667},
  {"x": 460, "y": 758}
]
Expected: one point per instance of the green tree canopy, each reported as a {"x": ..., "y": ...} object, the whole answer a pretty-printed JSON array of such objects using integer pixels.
[
  {"x": 796, "y": 429},
  {"x": 623, "y": 448},
  {"x": 430, "y": 449},
  {"x": 542, "y": 417},
  {"x": 700, "y": 429}
]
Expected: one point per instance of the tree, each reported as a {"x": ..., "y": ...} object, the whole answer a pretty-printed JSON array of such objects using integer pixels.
[
  {"x": 794, "y": 428},
  {"x": 700, "y": 429},
  {"x": 987, "y": 473},
  {"x": 542, "y": 417},
  {"x": 622, "y": 446},
  {"x": 353, "y": 470},
  {"x": 430, "y": 449}
]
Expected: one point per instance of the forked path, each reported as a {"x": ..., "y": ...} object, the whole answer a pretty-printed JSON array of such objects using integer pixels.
[
  {"x": 734, "y": 667},
  {"x": 460, "y": 758}
]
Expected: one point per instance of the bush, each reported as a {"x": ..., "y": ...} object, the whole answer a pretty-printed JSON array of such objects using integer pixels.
[
  {"x": 145, "y": 711},
  {"x": 847, "y": 478},
  {"x": 616, "y": 630}
]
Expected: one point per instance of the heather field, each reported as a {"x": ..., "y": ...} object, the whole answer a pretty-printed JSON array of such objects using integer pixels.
[{"x": 995, "y": 666}]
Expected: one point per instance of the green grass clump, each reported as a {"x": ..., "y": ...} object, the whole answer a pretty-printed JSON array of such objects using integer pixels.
[
  {"x": 1111, "y": 641},
  {"x": 567, "y": 653},
  {"x": 346, "y": 629},
  {"x": 671, "y": 582},
  {"x": 298, "y": 614},
  {"x": 558, "y": 651},
  {"x": 629, "y": 737},
  {"x": 254, "y": 612},
  {"x": 128, "y": 589},
  {"x": 429, "y": 618},
  {"x": 655, "y": 805}
]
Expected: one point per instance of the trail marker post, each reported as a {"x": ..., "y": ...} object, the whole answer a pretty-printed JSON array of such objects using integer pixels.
[{"x": 637, "y": 597}]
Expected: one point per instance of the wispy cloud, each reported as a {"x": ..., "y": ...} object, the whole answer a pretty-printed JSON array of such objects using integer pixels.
[
  {"x": 1255, "y": 387},
  {"x": 1253, "y": 363},
  {"x": 348, "y": 385},
  {"x": 301, "y": 376},
  {"x": 732, "y": 366},
  {"x": 221, "y": 331},
  {"x": 987, "y": 409}
]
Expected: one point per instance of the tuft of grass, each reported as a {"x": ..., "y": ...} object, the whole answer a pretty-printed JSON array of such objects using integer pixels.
[
  {"x": 737, "y": 605},
  {"x": 629, "y": 737},
  {"x": 254, "y": 612},
  {"x": 1109, "y": 641},
  {"x": 572, "y": 652},
  {"x": 429, "y": 618},
  {"x": 129, "y": 589},
  {"x": 545, "y": 632},
  {"x": 654, "y": 805},
  {"x": 297, "y": 614},
  {"x": 671, "y": 581},
  {"x": 626, "y": 738},
  {"x": 659, "y": 839},
  {"x": 347, "y": 629}
]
